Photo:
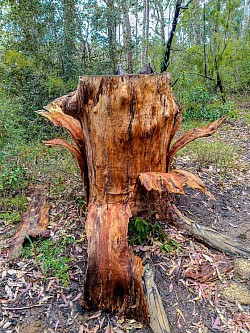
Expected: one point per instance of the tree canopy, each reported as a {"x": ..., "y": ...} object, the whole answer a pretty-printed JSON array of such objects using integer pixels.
[{"x": 47, "y": 44}]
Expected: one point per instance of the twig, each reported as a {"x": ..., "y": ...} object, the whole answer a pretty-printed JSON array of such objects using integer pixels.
[{"x": 24, "y": 308}]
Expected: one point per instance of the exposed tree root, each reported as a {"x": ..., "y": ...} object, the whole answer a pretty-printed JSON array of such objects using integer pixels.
[{"x": 212, "y": 237}]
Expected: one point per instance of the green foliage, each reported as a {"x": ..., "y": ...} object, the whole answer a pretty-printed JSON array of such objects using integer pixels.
[
  {"x": 18, "y": 202},
  {"x": 50, "y": 256},
  {"x": 199, "y": 104},
  {"x": 10, "y": 217},
  {"x": 81, "y": 203},
  {"x": 141, "y": 231},
  {"x": 13, "y": 178},
  {"x": 170, "y": 245}
]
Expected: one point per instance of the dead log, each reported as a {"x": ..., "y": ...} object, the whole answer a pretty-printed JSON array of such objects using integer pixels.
[{"x": 34, "y": 222}]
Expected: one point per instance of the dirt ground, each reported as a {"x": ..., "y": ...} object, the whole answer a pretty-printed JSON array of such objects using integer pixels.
[{"x": 202, "y": 289}]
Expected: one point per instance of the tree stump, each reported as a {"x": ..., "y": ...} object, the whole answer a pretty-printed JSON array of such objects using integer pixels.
[
  {"x": 126, "y": 122},
  {"x": 122, "y": 127}
]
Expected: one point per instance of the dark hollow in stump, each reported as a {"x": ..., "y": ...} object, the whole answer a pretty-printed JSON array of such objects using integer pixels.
[{"x": 127, "y": 122}]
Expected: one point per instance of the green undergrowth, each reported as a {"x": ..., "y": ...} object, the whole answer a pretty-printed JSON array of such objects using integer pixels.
[
  {"x": 25, "y": 161},
  {"x": 147, "y": 232},
  {"x": 51, "y": 257},
  {"x": 217, "y": 154},
  {"x": 201, "y": 104},
  {"x": 11, "y": 208},
  {"x": 246, "y": 117}
]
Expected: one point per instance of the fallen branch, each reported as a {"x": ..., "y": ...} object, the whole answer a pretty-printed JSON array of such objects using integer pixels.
[
  {"x": 24, "y": 307},
  {"x": 158, "y": 318},
  {"x": 212, "y": 237}
]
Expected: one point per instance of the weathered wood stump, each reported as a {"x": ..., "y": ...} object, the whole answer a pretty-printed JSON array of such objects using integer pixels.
[
  {"x": 126, "y": 122},
  {"x": 122, "y": 127}
]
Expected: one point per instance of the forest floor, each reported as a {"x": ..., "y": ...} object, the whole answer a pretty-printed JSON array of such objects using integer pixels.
[{"x": 202, "y": 289}]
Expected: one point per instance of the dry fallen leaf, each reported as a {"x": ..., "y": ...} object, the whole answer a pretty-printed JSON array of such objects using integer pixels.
[{"x": 208, "y": 272}]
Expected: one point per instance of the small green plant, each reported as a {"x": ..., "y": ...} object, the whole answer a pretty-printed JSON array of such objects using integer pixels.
[
  {"x": 143, "y": 231},
  {"x": 13, "y": 177},
  {"x": 50, "y": 256},
  {"x": 10, "y": 217},
  {"x": 139, "y": 230},
  {"x": 81, "y": 202},
  {"x": 11, "y": 208},
  {"x": 170, "y": 245},
  {"x": 17, "y": 203}
]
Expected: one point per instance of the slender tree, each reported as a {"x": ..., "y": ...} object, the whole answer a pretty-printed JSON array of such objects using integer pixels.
[
  {"x": 111, "y": 25},
  {"x": 127, "y": 38}
]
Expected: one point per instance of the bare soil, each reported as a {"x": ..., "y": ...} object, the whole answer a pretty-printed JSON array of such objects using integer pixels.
[{"x": 194, "y": 303}]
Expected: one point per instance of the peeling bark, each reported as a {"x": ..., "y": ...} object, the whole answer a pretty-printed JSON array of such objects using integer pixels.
[
  {"x": 192, "y": 135},
  {"x": 34, "y": 222}
]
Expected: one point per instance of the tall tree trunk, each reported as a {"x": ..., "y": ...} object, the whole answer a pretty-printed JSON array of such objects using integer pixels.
[
  {"x": 111, "y": 25},
  {"x": 136, "y": 34},
  {"x": 69, "y": 36},
  {"x": 145, "y": 32},
  {"x": 162, "y": 21},
  {"x": 127, "y": 39},
  {"x": 217, "y": 56},
  {"x": 204, "y": 38},
  {"x": 166, "y": 59}
]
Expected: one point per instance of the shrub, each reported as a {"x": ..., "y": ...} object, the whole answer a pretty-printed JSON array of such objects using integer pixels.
[{"x": 199, "y": 104}]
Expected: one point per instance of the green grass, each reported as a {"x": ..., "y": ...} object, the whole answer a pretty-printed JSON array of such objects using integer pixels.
[
  {"x": 217, "y": 154},
  {"x": 25, "y": 162},
  {"x": 50, "y": 256},
  {"x": 246, "y": 117}
]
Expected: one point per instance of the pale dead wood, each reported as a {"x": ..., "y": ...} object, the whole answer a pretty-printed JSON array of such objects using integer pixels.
[
  {"x": 212, "y": 237},
  {"x": 24, "y": 307},
  {"x": 158, "y": 318}
]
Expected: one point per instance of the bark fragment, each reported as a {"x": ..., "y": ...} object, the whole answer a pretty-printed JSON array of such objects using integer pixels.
[
  {"x": 34, "y": 222},
  {"x": 173, "y": 182},
  {"x": 192, "y": 135}
]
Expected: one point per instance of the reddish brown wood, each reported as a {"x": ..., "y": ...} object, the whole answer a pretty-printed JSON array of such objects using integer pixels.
[
  {"x": 126, "y": 122},
  {"x": 122, "y": 127},
  {"x": 114, "y": 274}
]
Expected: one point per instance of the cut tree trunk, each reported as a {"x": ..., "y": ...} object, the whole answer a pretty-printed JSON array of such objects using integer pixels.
[
  {"x": 127, "y": 124},
  {"x": 122, "y": 127}
]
